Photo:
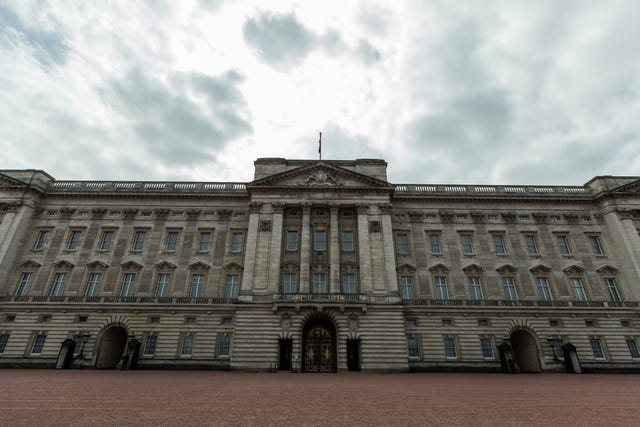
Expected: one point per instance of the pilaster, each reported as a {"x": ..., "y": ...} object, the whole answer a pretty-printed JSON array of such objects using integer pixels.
[
  {"x": 276, "y": 247},
  {"x": 364, "y": 249},
  {"x": 305, "y": 248},
  {"x": 334, "y": 251},
  {"x": 250, "y": 251},
  {"x": 391, "y": 280}
]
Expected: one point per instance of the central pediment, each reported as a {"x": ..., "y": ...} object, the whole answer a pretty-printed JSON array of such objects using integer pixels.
[{"x": 320, "y": 175}]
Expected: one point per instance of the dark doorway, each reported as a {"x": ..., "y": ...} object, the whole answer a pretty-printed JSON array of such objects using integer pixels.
[
  {"x": 525, "y": 351},
  {"x": 353, "y": 355},
  {"x": 111, "y": 347},
  {"x": 319, "y": 346},
  {"x": 286, "y": 347}
]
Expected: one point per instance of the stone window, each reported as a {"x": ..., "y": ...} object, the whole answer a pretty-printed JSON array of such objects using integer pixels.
[
  {"x": 442, "y": 291},
  {"x": 406, "y": 286},
  {"x": 38, "y": 344},
  {"x": 510, "y": 290},
  {"x": 466, "y": 241},
  {"x": 402, "y": 243},
  {"x": 190, "y": 320},
  {"x": 105, "y": 240},
  {"x": 292, "y": 240},
  {"x": 475, "y": 288},
  {"x": 57, "y": 286},
  {"x": 4, "y": 339},
  {"x": 597, "y": 348},
  {"x": 162, "y": 285},
  {"x": 154, "y": 319},
  {"x": 563, "y": 244},
  {"x": 349, "y": 283},
  {"x": 237, "y": 241},
  {"x": 82, "y": 319},
  {"x": 150, "y": 341},
  {"x": 23, "y": 284},
  {"x": 224, "y": 345},
  {"x": 290, "y": 283},
  {"x": 532, "y": 244},
  {"x": 41, "y": 240},
  {"x": 486, "y": 345},
  {"x": 171, "y": 242},
  {"x": 543, "y": 288},
  {"x": 578, "y": 289},
  {"x": 634, "y": 350},
  {"x": 484, "y": 322},
  {"x": 138, "y": 241},
  {"x": 596, "y": 246},
  {"x": 447, "y": 322},
  {"x": 434, "y": 244},
  {"x": 186, "y": 345},
  {"x": 450, "y": 347},
  {"x": 499, "y": 244},
  {"x": 91, "y": 290},
  {"x": 413, "y": 347},
  {"x": 44, "y": 318},
  {"x": 347, "y": 241},
  {"x": 204, "y": 240},
  {"x": 128, "y": 281},
  {"x": 73, "y": 241},
  {"x": 319, "y": 240},
  {"x": 319, "y": 283},
  {"x": 232, "y": 286},
  {"x": 197, "y": 285},
  {"x": 612, "y": 288}
]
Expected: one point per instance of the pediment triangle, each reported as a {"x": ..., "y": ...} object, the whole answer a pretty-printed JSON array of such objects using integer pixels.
[
  {"x": 319, "y": 175},
  {"x": 631, "y": 187}
]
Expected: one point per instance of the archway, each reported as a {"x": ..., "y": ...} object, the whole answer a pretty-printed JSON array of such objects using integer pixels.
[
  {"x": 525, "y": 350},
  {"x": 111, "y": 347},
  {"x": 319, "y": 346}
]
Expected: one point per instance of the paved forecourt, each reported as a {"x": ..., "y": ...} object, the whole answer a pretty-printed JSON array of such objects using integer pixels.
[{"x": 193, "y": 398}]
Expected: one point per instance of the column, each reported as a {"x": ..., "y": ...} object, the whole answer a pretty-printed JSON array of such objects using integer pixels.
[
  {"x": 391, "y": 279},
  {"x": 250, "y": 251},
  {"x": 364, "y": 249},
  {"x": 305, "y": 248},
  {"x": 13, "y": 229},
  {"x": 276, "y": 248},
  {"x": 334, "y": 251}
]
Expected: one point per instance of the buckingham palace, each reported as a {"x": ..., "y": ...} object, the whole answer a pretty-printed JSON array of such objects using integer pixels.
[{"x": 319, "y": 266}]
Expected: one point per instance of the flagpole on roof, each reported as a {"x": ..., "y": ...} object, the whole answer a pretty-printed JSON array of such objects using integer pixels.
[{"x": 320, "y": 147}]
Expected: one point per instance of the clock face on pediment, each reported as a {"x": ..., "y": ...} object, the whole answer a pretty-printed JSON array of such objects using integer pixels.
[{"x": 320, "y": 175}]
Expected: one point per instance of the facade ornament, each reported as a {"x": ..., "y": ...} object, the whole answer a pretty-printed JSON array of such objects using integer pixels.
[
  {"x": 254, "y": 207},
  {"x": 374, "y": 226},
  {"x": 447, "y": 217},
  {"x": 162, "y": 213},
  {"x": 320, "y": 179},
  {"x": 98, "y": 213},
  {"x": 353, "y": 324},
  {"x": 265, "y": 225},
  {"x": 224, "y": 213},
  {"x": 473, "y": 270},
  {"x": 278, "y": 207},
  {"x": 571, "y": 218},
  {"x": 540, "y": 269},
  {"x": 416, "y": 216},
  {"x": 507, "y": 269},
  {"x": 66, "y": 212},
  {"x": 509, "y": 217},
  {"x": 193, "y": 213},
  {"x": 362, "y": 209},
  {"x": 478, "y": 217},
  {"x": 285, "y": 323},
  {"x": 540, "y": 217},
  {"x": 130, "y": 213},
  {"x": 385, "y": 209}
]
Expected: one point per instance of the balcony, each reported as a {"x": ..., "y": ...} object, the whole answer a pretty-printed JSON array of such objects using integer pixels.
[
  {"x": 142, "y": 300},
  {"x": 517, "y": 303}
]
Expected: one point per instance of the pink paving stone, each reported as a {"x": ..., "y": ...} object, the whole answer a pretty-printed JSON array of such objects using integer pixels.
[{"x": 203, "y": 398}]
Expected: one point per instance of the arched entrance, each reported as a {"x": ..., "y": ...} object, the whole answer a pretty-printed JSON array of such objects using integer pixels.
[
  {"x": 319, "y": 346},
  {"x": 525, "y": 350},
  {"x": 111, "y": 347}
]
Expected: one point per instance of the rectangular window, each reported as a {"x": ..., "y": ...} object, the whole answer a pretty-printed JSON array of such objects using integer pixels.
[
  {"x": 74, "y": 240},
  {"x": 319, "y": 283},
  {"x": 543, "y": 288},
  {"x": 510, "y": 291},
  {"x": 349, "y": 283},
  {"x": 38, "y": 344},
  {"x": 172, "y": 241},
  {"x": 203, "y": 241},
  {"x": 578, "y": 289},
  {"x": 498, "y": 242},
  {"x": 290, "y": 285},
  {"x": 434, "y": 244},
  {"x": 450, "y": 350},
  {"x": 197, "y": 285},
  {"x": 292, "y": 240},
  {"x": 597, "y": 348},
  {"x": 563, "y": 244},
  {"x": 105, "y": 240},
  {"x": 4, "y": 339},
  {"x": 190, "y": 320},
  {"x": 466, "y": 240},
  {"x": 150, "y": 345},
  {"x": 138, "y": 241},
  {"x": 41, "y": 240},
  {"x": 487, "y": 348},
  {"x": 532, "y": 245},
  {"x": 58, "y": 285},
  {"x": 441, "y": 287},
  {"x": 23, "y": 284},
  {"x": 556, "y": 346},
  {"x": 224, "y": 347},
  {"x": 44, "y": 318},
  {"x": 237, "y": 240},
  {"x": 632, "y": 344},
  {"x": 413, "y": 348},
  {"x": 231, "y": 286},
  {"x": 406, "y": 285},
  {"x": 319, "y": 240},
  {"x": 596, "y": 247},
  {"x": 186, "y": 348},
  {"x": 347, "y": 241},
  {"x": 402, "y": 243},
  {"x": 127, "y": 284},
  {"x": 475, "y": 288},
  {"x": 162, "y": 285},
  {"x": 612, "y": 288},
  {"x": 92, "y": 284}
]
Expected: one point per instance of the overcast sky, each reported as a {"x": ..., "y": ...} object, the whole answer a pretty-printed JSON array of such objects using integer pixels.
[{"x": 502, "y": 92}]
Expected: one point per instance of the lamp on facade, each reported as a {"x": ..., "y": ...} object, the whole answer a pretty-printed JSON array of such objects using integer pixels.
[{"x": 85, "y": 338}]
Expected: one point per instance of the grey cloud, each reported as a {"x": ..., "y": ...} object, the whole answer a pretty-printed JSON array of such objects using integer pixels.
[
  {"x": 279, "y": 40},
  {"x": 48, "y": 47},
  {"x": 374, "y": 18},
  {"x": 170, "y": 125}
]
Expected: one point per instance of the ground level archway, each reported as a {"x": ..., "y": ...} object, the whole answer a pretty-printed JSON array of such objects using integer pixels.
[
  {"x": 111, "y": 347},
  {"x": 525, "y": 350},
  {"x": 319, "y": 346}
]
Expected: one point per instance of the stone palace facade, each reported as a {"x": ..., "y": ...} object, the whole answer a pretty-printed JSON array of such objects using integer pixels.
[{"x": 319, "y": 266}]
